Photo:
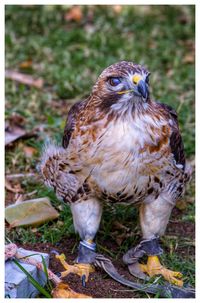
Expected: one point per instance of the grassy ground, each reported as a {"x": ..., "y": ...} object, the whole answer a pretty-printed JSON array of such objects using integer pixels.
[{"x": 69, "y": 55}]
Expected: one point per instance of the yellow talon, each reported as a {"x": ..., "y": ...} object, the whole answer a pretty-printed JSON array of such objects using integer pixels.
[
  {"x": 79, "y": 268},
  {"x": 153, "y": 267}
]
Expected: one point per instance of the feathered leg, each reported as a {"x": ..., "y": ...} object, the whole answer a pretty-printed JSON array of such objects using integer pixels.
[
  {"x": 86, "y": 217},
  {"x": 59, "y": 175},
  {"x": 154, "y": 217}
]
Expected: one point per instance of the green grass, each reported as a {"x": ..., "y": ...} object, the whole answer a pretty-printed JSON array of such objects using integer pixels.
[{"x": 69, "y": 56}]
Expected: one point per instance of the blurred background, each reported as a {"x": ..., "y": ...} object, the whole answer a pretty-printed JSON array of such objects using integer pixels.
[{"x": 54, "y": 55}]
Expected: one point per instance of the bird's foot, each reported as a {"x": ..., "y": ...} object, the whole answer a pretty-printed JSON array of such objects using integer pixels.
[
  {"x": 154, "y": 267},
  {"x": 63, "y": 290},
  {"x": 81, "y": 269}
]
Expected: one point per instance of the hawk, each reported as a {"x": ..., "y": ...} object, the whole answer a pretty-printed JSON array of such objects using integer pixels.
[{"x": 120, "y": 146}]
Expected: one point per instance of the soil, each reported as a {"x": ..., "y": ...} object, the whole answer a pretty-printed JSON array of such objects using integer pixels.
[{"x": 100, "y": 285}]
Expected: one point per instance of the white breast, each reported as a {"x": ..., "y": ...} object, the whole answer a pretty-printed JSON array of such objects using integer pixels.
[{"x": 121, "y": 160}]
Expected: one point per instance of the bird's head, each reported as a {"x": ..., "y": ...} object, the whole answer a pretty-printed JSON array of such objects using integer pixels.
[{"x": 123, "y": 82}]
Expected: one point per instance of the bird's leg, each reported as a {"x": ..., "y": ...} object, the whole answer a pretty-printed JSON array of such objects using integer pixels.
[
  {"x": 154, "y": 217},
  {"x": 82, "y": 269},
  {"x": 86, "y": 218},
  {"x": 151, "y": 248},
  {"x": 154, "y": 267}
]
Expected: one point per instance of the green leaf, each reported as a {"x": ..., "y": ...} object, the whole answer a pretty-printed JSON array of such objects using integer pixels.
[{"x": 40, "y": 288}]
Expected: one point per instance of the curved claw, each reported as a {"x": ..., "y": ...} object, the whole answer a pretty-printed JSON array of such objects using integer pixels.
[
  {"x": 81, "y": 269},
  {"x": 153, "y": 267},
  {"x": 83, "y": 280},
  {"x": 53, "y": 251},
  {"x": 165, "y": 290}
]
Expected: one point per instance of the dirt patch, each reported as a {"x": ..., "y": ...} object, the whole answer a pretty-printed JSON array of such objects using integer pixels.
[
  {"x": 182, "y": 228},
  {"x": 100, "y": 285},
  {"x": 10, "y": 198}
]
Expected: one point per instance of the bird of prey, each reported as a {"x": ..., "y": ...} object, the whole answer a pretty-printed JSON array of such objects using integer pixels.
[{"x": 119, "y": 146}]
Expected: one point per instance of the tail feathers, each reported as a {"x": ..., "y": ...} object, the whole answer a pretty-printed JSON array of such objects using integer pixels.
[{"x": 56, "y": 172}]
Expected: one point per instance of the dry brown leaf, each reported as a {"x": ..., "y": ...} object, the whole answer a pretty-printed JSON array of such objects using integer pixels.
[
  {"x": 16, "y": 119},
  {"x": 189, "y": 58},
  {"x": 170, "y": 73},
  {"x": 29, "y": 151},
  {"x": 26, "y": 64},
  {"x": 13, "y": 188},
  {"x": 117, "y": 9},
  {"x": 74, "y": 14},
  {"x": 63, "y": 290},
  {"x": 14, "y": 134},
  {"x": 34, "y": 230},
  {"x": 14, "y": 130},
  {"x": 23, "y": 78}
]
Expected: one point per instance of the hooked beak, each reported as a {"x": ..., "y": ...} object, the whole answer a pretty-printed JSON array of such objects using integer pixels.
[
  {"x": 141, "y": 85},
  {"x": 143, "y": 89}
]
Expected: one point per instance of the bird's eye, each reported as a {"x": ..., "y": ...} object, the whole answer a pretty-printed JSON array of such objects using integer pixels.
[{"x": 114, "y": 81}]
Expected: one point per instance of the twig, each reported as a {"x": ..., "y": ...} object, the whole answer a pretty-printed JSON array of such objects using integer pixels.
[
  {"x": 16, "y": 176},
  {"x": 24, "y": 78}
]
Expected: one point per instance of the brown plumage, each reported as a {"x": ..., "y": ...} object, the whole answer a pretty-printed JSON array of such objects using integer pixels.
[{"x": 119, "y": 146}]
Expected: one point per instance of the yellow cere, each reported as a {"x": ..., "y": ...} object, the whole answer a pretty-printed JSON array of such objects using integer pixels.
[{"x": 136, "y": 79}]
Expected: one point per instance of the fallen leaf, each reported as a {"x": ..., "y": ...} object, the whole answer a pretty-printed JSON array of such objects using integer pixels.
[
  {"x": 34, "y": 230},
  {"x": 13, "y": 188},
  {"x": 31, "y": 212},
  {"x": 16, "y": 119},
  {"x": 26, "y": 64},
  {"x": 62, "y": 290},
  {"x": 29, "y": 151},
  {"x": 170, "y": 73},
  {"x": 24, "y": 78},
  {"x": 14, "y": 134},
  {"x": 189, "y": 58},
  {"x": 14, "y": 130},
  {"x": 74, "y": 14},
  {"x": 117, "y": 9}
]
